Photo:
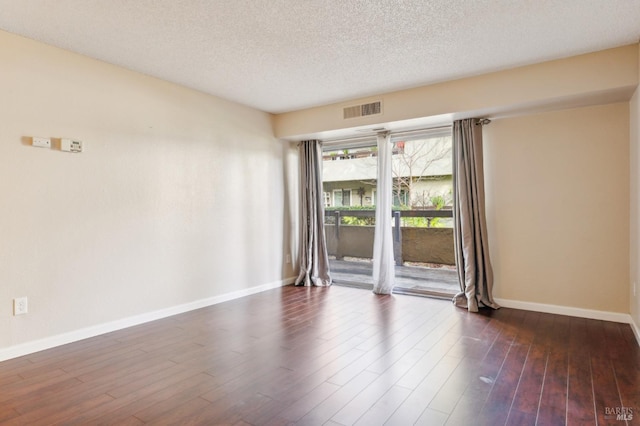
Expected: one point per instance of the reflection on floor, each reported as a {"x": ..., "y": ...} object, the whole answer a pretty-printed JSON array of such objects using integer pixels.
[{"x": 435, "y": 282}]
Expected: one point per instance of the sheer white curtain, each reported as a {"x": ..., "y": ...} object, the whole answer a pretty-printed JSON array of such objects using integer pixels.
[{"x": 383, "y": 265}]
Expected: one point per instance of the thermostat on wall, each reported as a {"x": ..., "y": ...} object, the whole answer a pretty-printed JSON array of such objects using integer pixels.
[{"x": 70, "y": 145}]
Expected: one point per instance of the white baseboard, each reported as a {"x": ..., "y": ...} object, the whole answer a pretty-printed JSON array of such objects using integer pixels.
[
  {"x": 572, "y": 312},
  {"x": 636, "y": 330},
  {"x": 84, "y": 333},
  {"x": 565, "y": 310}
]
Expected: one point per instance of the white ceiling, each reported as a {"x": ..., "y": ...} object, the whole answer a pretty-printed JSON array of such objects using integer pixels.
[{"x": 283, "y": 55}]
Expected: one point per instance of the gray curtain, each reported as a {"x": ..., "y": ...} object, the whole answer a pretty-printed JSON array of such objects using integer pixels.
[
  {"x": 314, "y": 261},
  {"x": 470, "y": 226}
]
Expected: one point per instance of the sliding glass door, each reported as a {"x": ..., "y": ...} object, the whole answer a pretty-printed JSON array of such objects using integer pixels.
[{"x": 422, "y": 206}]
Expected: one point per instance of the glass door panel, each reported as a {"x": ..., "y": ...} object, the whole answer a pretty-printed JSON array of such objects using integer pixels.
[
  {"x": 423, "y": 196},
  {"x": 349, "y": 187}
]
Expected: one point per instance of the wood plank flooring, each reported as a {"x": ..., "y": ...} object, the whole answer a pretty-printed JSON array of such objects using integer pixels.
[{"x": 333, "y": 356}]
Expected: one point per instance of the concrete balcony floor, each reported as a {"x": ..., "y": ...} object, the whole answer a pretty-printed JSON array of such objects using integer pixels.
[{"x": 423, "y": 281}]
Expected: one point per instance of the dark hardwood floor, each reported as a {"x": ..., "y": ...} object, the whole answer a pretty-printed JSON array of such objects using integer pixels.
[{"x": 333, "y": 356}]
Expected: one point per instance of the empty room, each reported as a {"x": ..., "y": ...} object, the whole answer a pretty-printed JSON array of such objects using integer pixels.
[{"x": 319, "y": 212}]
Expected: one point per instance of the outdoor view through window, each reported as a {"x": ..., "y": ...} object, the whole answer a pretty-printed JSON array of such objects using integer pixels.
[{"x": 422, "y": 206}]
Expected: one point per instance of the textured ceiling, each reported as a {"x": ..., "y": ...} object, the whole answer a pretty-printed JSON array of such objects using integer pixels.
[{"x": 283, "y": 55}]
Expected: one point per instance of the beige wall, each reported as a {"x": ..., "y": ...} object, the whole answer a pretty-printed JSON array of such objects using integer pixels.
[
  {"x": 580, "y": 80},
  {"x": 634, "y": 291},
  {"x": 178, "y": 197},
  {"x": 558, "y": 207}
]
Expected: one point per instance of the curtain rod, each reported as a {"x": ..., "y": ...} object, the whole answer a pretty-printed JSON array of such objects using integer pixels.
[
  {"x": 365, "y": 138},
  {"x": 418, "y": 131}
]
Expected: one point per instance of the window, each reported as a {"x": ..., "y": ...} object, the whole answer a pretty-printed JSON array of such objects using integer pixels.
[
  {"x": 327, "y": 199},
  {"x": 341, "y": 197},
  {"x": 401, "y": 198},
  {"x": 346, "y": 197}
]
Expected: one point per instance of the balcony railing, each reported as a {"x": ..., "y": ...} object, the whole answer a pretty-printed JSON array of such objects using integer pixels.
[{"x": 410, "y": 244}]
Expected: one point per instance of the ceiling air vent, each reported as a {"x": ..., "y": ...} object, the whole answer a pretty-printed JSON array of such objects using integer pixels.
[{"x": 355, "y": 111}]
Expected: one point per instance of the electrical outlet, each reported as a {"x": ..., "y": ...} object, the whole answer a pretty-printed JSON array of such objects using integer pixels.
[
  {"x": 41, "y": 142},
  {"x": 634, "y": 288},
  {"x": 288, "y": 258},
  {"x": 20, "y": 306}
]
